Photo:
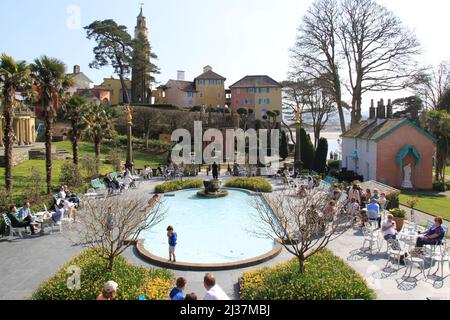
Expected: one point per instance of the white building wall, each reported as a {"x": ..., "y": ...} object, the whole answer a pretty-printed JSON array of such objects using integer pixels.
[{"x": 367, "y": 162}]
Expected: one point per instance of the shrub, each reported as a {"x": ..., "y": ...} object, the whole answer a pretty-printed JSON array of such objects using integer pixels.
[
  {"x": 398, "y": 213},
  {"x": 115, "y": 158},
  {"x": 36, "y": 183},
  {"x": 179, "y": 185},
  {"x": 5, "y": 200},
  {"x": 440, "y": 186},
  {"x": 320, "y": 158},
  {"x": 394, "y": 200},
  {"x": 89, "y": 165},
  {"x": 70, "y": 175},
  {"x": 334, "y": 164},
  {"x": 133, "y": 281},
  {"x": 326, "y": 277},
  {"x": 253, "y": 184}
]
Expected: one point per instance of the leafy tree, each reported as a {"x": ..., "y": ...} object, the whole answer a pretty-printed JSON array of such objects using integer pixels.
[
  {"x": 49, "y": 75},
  {"x": 320, "y": 160},
  {"x": 307, "y": 150},
  {"x": 284, "y": 147},
  {"x": 14, "y": 77},
  {"x": 75, "y": 110},
  {"x": 99, "y": 126},
  {"x": 143, "y": 68},
  {"x": 70, "y": 175},
  {"x": 444, "y": 101},
  {"x": 114, "y": 47},
  {"x": 411, "y": 107},
  {"x": 437, "y": 122}
]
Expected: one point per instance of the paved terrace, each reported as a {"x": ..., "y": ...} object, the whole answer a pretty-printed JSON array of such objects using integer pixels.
[{"x": 25, "y": 263}]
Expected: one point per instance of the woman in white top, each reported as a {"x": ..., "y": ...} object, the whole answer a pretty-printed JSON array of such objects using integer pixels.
[{"x": 389, "y": 228}]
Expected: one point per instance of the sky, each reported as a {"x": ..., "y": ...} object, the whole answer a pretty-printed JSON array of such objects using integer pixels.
[{"x": 235, "y": 37}]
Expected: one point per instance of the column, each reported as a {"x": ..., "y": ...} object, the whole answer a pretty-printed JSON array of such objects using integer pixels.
[{"x": 27, "y": 130}]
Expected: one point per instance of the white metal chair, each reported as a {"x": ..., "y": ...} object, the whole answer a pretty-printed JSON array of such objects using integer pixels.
[
  {"x": 371, "y": 237},
  {"x": 12, "y": 230},
  {"x": 395, "y": 252},
  {"x": 415, "y": 257},
  {"x": 440, "y": 256}
]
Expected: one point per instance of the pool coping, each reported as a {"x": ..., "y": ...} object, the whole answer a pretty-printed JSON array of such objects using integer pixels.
[{"x": 185, "y": 266}]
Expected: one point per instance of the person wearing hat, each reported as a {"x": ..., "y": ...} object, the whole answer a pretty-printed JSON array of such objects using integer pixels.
[{"x": 109, "y": 291}]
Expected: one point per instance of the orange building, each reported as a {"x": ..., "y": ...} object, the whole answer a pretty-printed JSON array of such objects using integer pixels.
[{"x": 392, "y": 151}]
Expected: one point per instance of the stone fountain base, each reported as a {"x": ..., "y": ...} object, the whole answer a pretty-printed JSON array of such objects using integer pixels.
[{"x": 212, "y": 190}]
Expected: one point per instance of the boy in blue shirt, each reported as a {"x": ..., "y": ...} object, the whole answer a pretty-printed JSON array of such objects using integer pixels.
[
  {"x": 172, "y": 243},
  {"x": 177, "y": 292}
]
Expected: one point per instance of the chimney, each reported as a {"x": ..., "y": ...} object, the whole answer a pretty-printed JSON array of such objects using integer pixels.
[
  {"x": 207, "y": 68},
  {"x": 381, "y": 114},
  {"x": 76, "y": 69},
  {"x": 390, "y": 110},
  {"x": 180, "y": 75},
  {"x": 372, "y": 111}
]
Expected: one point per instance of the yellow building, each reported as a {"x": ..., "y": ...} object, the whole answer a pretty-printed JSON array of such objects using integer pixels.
[
  {"x": 115, "y": 86},
  {"x": 210, "y": 89}
]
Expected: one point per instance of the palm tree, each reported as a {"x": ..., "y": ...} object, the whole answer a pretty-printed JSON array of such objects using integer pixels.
[
  {"x": 14, "y": 77},
  {"x": 75, "y": 110},
  {"x": 99, "y": 126},
  {"x": 49, "y": 75}
]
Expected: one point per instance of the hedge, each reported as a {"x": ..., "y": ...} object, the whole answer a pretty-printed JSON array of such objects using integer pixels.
[
  {"x": 179, "y": 185},
  {"x": 134, "y": 281},
  {"x": 253, "y": 184},
  {"x": 327, "y": 277}
]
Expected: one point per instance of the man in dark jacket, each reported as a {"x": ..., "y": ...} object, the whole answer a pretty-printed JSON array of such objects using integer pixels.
[
  {"x": 15, "y": 223},
  {"x": 215, "y": 171}
]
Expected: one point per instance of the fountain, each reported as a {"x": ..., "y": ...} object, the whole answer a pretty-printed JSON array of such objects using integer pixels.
[{"x": 212, "y": 190}]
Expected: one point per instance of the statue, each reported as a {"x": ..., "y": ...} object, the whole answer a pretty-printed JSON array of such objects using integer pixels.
[
  {"x": 407, "y": 184},
  {"x": 129, "y": 115}
]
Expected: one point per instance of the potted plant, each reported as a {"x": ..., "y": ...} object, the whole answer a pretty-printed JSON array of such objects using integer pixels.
[{"x": 399, "y": 217}]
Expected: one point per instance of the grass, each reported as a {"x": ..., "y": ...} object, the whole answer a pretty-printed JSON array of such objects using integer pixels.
[
  {"x": 434, "y": 204},
  {"x": 21, "y": 172}
]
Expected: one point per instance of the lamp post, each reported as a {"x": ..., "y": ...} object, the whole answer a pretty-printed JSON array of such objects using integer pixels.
[
  {"x": 129, "y": 163},
  {"x": 298, "y": 164}
]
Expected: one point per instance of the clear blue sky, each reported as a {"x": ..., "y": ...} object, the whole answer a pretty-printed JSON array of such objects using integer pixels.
[{"x": 236, "y": 37}]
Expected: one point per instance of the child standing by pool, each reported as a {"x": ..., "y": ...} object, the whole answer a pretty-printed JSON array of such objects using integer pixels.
[{"x": 172, "y": 243}]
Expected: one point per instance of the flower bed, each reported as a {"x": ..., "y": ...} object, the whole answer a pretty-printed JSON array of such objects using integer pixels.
[
  {"x": 179, "y": 185},
  {"x": 253, "y": 184},
  {"x": 327, "y": 277},
  {"x": 134, "y": 281}
]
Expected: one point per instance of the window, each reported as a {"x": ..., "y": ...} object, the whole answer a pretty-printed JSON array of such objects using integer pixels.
[
  {"x": 219, "y": 95},
  {"x": 238, "y": 91},
  {"x": 268, "y": 90},
  {"x": 268, "y": 101},
  {"x": 201, "y": 82},
  {"x": 190, "y": 94},
  {"x": 260, "y": 101}
]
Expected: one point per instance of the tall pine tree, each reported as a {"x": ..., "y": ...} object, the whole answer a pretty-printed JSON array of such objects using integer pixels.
[
  {"x": 320, "y": 160},
  {"x": 307, "y": 150},
  {"x": 284, "y": 148}
]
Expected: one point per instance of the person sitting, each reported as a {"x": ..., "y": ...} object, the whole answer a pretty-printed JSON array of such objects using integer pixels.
[
  {"x": 129, "y": 182},
  {"x": 376, "y": 195},
  {"x": 373, "y": 212},
  {"x": 73, "y": 198},
  {"x": 61, "y": 194},
  {"x": 389, "y": 228},
  {"x": 59, "y": 213},
  {"x": 15, "y": 223},
  {"x": 117, "y": 184},
  {"x": 353, "y": 193},
  {"x": 213, "y": 290},
  {"x": 382, "y": 201},
  {"x": 354, "y": 209},
  {"x": 109, "y": 291},
  {"x": 25, "y": 213},
  {"x": 336, "y": 193},
  {"x": 177, "y": 292},
  {"x": 433, "y": 236},
  {"x": 69, "y": 207}
]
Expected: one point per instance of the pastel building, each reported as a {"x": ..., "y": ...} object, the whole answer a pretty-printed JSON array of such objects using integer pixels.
[
  {"x": 259, "y": 93},
  {"x": 392, "y": 151},
  {"x": 115, "y": 88},
  {"x": 208, "y": 90}
]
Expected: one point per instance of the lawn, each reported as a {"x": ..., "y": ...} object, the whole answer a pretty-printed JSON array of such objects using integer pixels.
[
  {"x": 21, "y": 172},
  {"x": 433, "y": 204}
]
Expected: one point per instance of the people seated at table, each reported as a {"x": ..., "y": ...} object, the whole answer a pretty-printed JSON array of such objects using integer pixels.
[
  {"x": 147, "y": 173},
  {"x": 16, "y": 223},
  {"x": 129, "y": 182},
  {"x": 366, "y": 197},
  {"x": 433, "y": 236},
  {"x": 73, "y": 198},
  {"x": 389, "y": 228},
  {"x": 354, "y": 208},
  {"x": 336, "y": 193},
  {"x": 373, "y": 212},
  {"x": 69, "y": 207}
]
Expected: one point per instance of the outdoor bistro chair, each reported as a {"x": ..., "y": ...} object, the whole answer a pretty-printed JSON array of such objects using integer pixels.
[
  {"x": 12, "y": 230},
  {"x": 440, "y": 256},
  {"x": 372, "y": 238},
  {"x": 395, "y": 252}
]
